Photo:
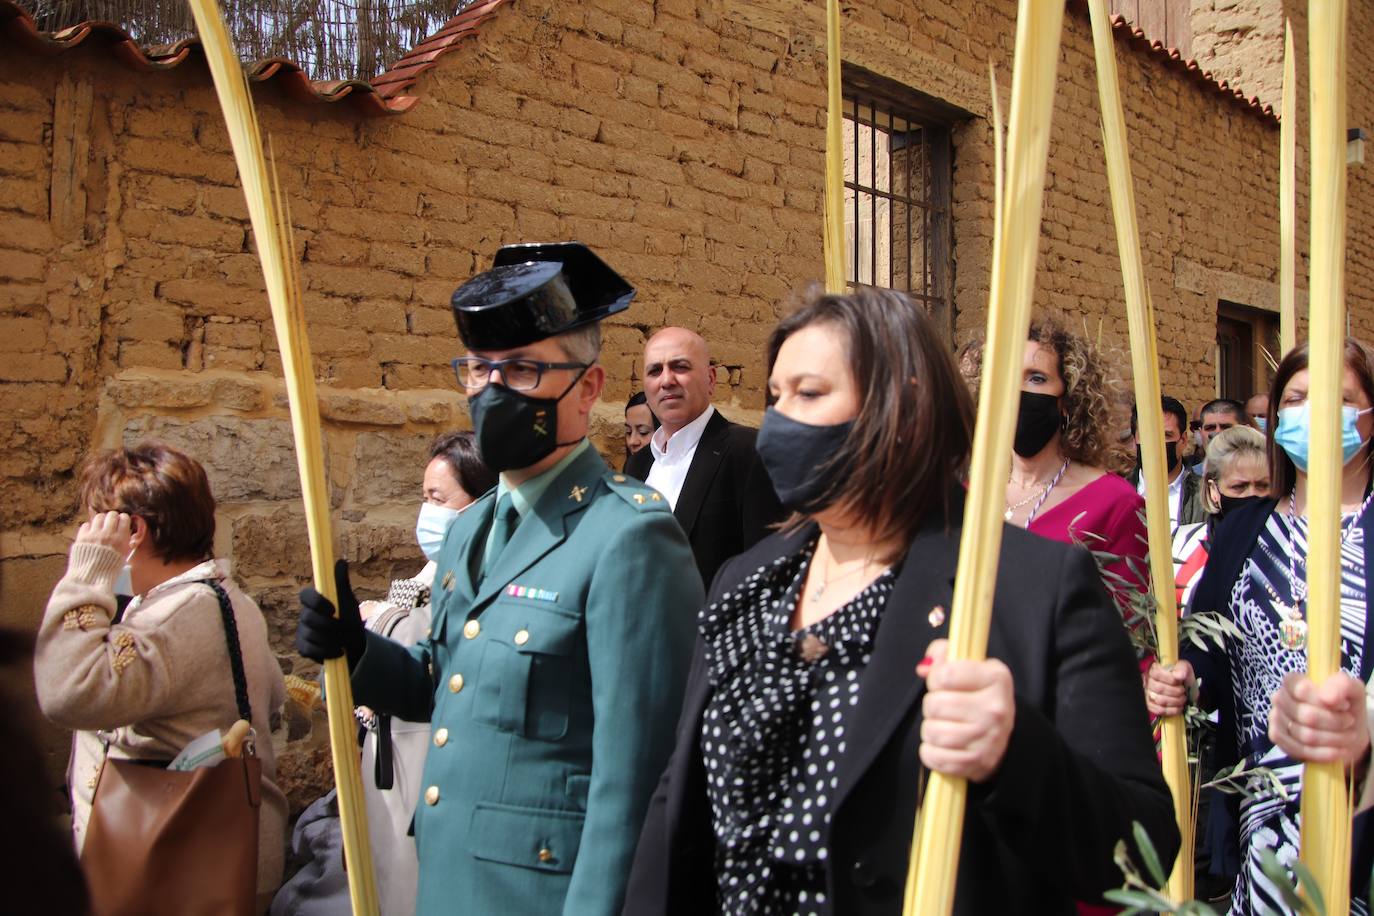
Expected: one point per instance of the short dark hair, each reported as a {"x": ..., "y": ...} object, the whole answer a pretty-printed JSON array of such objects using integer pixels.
[
  {"x": 910, "y": 442},
  {"x": 639, "y": 399},
  {"x": 459, "y": 449},
  {"x": 1283, "y": 474},
  {"x": 1175, "y": 407},
  {"x": 1171, "y": 406},
  {"x": 162, "y": 485},
  {"x": 1225, "y": 405}
]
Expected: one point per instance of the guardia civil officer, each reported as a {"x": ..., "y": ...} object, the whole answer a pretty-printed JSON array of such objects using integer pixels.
[{"x": 563, "y": 622}]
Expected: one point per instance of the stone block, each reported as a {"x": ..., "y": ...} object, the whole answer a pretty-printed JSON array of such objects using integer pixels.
[
  {"x": 245, "y": 458},
  {"x": 270, "y": 543},
  {"x": 374, "y": 411},
  {"x": 449, "y": 411},
  {"x": 179, "y": 393},
  {"x": 33, "y": 367},
  {"x": 388, "y": 468},
  {"x": 280, "y": 606},
  {"x": 379, "y": 551}
]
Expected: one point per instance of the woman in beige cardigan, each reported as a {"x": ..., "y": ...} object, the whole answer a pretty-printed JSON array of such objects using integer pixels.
[{"x": 147, "y": 682}]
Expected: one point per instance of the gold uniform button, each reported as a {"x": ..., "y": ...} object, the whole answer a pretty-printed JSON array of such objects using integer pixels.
[
  {"x": 545, "y": 855},
  {"x": 471, "y": 629},
  {"x": 432, "y": 795},
  {"x": 455, "y": 683},
  {"x": 522, "y": 637},
  {"x": 441, "y": 737}
]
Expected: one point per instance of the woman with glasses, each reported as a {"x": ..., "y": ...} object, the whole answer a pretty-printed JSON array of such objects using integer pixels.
[
  {"x": 820, "y": 694},
  {"x": 1256, "y": 577}
]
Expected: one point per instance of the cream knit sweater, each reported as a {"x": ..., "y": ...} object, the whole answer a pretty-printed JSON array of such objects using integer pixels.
[{"x": 155, "y": 681}]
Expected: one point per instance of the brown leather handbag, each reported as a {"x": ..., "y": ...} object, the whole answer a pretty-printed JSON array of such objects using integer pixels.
[{"x": 162, "y": 842}]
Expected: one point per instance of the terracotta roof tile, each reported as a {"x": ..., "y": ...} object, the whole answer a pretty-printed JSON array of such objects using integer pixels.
[
  {"x": 1137, "y": 39},
  {"x": 386, "y": 94}
]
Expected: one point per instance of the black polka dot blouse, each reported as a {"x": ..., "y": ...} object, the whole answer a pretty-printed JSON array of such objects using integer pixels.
[{"x": 774, "y": 729}]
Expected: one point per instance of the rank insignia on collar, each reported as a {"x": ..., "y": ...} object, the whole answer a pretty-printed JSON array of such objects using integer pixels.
[
  {"x": 577, "y": 493},
  {"x": 537, "y": 594},
  {"x": 447, "y": 581},
  {"x": 656, "y": 498},
  {"x": 639, "y": 498}
]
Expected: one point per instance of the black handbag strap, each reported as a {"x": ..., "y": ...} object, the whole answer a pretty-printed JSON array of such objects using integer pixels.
[
  {"x": 231, "y": 636},
  {"x": 384, "y": 770}
]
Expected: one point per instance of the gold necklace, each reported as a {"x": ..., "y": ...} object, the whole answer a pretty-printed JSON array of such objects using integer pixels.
[
  {"x": 1042, "y": 494},
  {"x": 817, "y": 594}
]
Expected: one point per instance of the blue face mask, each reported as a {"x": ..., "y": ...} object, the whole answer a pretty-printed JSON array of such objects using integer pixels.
[
  {"x": 432, "y": 525},
  {"x": 1294, "y": 432},
  {"x": 1261, "y": 423}
]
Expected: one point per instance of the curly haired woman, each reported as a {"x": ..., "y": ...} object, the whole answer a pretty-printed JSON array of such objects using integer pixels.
[{"x": 1059, "y": 487}]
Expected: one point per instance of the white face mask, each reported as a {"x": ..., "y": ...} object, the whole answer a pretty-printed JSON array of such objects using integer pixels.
[
  {"x": 124, "y": 582},
  {"x": 432, "y": 525}
]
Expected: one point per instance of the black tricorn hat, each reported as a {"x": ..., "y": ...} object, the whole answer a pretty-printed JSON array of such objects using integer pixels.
[{"x": 535, "y": 291}]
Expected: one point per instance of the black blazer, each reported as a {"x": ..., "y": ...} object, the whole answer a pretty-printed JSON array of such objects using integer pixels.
[
  {"x": 727, "y": 502},
  {"x": 1080, "y": 766}
]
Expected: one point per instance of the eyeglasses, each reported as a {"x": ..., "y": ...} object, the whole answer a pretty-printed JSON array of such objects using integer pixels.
[{"x": 474, "y": 373}]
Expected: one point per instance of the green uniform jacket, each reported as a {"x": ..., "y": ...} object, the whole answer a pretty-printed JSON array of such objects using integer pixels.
[{"x": 553, "y": 688}]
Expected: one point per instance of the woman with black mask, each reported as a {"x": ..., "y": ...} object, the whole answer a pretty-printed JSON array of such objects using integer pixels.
[
  {"x": 1256, "y": 578},
  {"x": 1059, "y": 487},
  {"x": 1237, "y": 475},
  {"x": 820, "y": 694}
]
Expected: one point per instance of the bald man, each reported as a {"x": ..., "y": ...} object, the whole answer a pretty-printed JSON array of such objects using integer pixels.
[{"x": 703, "y": 465}]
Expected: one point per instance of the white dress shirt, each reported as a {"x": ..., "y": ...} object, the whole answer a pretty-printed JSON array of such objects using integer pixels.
[
  {"x": 673, "y": 457},
  {"x": 1175, "y": 496}
]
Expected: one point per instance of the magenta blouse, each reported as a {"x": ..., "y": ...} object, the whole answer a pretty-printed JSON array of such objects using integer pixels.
[{"x": 1107, "y": 516}]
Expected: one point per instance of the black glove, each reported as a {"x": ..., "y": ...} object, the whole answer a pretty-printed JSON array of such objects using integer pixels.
[{"x": 320, "y": 634}]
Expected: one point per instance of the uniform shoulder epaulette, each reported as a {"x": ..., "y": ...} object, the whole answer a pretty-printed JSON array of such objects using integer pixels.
[{"x": 636, "y": 492}]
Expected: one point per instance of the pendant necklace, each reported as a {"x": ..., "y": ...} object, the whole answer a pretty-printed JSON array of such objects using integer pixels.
[
  {"x": 819, "y": 592},
  {"x": 1293, "y": 619},
  {"x": 1039, "y": 496}
]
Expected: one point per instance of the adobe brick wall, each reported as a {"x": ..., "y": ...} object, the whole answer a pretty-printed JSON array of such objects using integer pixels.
[{"x": 681, "y": 139}]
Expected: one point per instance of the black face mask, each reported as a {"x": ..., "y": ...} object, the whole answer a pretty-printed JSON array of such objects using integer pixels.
[
  {"x": 1170, "y": 457},
  {"x": 1229, "y": 504},
  {"x": 1036, "y": 423},
  {"x": 513, "y": 429},
  {"x": 797, "y": 457}
]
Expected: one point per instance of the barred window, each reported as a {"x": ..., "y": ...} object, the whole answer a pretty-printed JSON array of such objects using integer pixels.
[{"x": 897, "y": 177}]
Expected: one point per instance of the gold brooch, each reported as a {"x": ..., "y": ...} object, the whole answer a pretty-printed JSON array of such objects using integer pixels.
[{"x": 812, "y": 649}]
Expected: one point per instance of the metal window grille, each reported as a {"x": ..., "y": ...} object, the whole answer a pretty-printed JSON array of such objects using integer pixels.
[{"x": 897, "y": 181}]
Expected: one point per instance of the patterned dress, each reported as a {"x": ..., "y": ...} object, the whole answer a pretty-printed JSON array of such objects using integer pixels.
[
  {"x": 773, "y": 731},
  {"x": 1259, "y": 663}
]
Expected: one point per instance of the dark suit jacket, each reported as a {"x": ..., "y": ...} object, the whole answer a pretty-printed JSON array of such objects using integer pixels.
[
  {"x": 1079, "y": 768},
  {"x": 727, "y": 502}
]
